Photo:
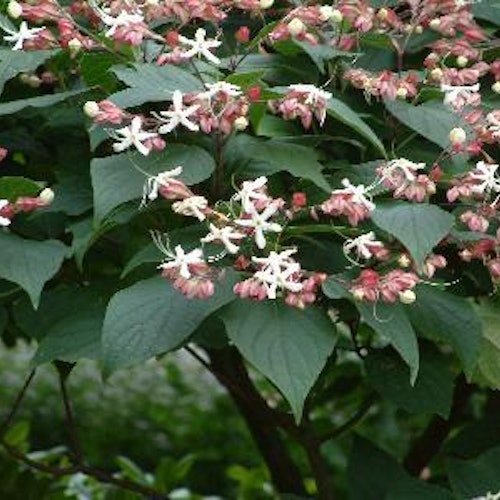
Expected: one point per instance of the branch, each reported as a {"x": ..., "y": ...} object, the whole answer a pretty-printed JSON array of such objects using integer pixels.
[
  {"x": 17, "y": 403},
  {"x": 429, "y": 443}
]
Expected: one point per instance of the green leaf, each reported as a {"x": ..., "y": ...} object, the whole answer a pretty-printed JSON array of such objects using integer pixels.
[
  {"x": 9, "y": 108},
  {"x": 431, "y": 120},
  {"x": 343, "y": 113},
  {"x": 391, "y": 321},
  {"x": 152, "y": 83},
  {"x": 116, "y": 179},
  {"x": 289, "y": 346},
  {"x": 488, "y": 11},
  {"x": 413, "y": 489},
  {"x": 476, "y": 477},
  {"x": 443, "y": 316},
  {"x": 371, "y": 472},
  {"x": 250, "y": 157},
  {"x": 30, "y": 264},
  {"x": 67, "y": 324},
  {"x": 14, "y": 62},
  {"x": 11, "y": 188},
  {"x": 320, "y": 54},
  {"x": 151, "y": 317},
  {"x": 432, "y": 391},
  {"x": 488, "y": 367},
  {"x": 419, "y": 226}
]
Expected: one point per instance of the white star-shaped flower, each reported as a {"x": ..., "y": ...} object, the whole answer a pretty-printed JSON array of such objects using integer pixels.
[
  {"x": 21, "y": 36},
  {"x": 251, "y": 191},
  {"x": 200, "y": 46},
  {"x": 486, "y": 174},
  {"x": 132, "y": 135},
  {"x": 406, "y": 167},
  {"x": 452, "y": 93},
  {"x": 217, "y": 87},
  {"x": 278, "y": 271},
  {"x": 363, "y": 245},
  {"x": 192, "y": 206},
  {"x": 259, "y": 222},
  {"x": 360, "y": 194},
  {"x": 4, "y": 221},
  {"x": 179, "y": 115},
  {"x": 123, "y": 19},
  {"x": 182, "y": 260},
  {"x": 314, "y": 94},
  {"x": 153, "y": 184},
  {"x": 224, "y": 235}
]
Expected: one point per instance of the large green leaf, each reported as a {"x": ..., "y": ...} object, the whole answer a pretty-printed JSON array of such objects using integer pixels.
[
  {"x": 441, "y": 315},
  {"x": 117, "y": 179},
  {"x": 43, "y": 101},
  {"x": 371, "y": 472},
  {"x": 152, "y": 83},
  {"x": 343, "y": 113},
  {"x": 151, "y": 317},
  {"x": 477, "y": 477},
  {"x": 289, "y": 346},
  {"x": 67, "y": 324},
  {"x": 432, "y": 391},
  {"x": 419, "y": 226},
  {"x": 431, "y": 120},
  {"x": 14, "y": 62},
  {"x": 250, "y": 157},
  {"x": 413, "y": 489},
  {"x": 391, "y": 321},
  {"x": 11, "y": 188},
  {"x": 488, "y": 367},
  {"x": 489, "y": 11},
  {"x": 28, "y": 263}
]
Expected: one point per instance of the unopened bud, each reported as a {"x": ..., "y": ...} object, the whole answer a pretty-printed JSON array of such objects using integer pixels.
[
  {"x": 434, "y": 24},
  {"x": 91, "y": 109},
  {"x": 496, "y": 87},
  {"x": 402, "y": 93},
  {"x": 265, "y": 4},
  {"x": 358, "y": 294},
  {"x": 241, "y": 123},
  {"x": 407, "y": 297},
  {"x": 462, "y": 61},
  {"x": 382, "y": 14},
  {"x": 74, "y": 45},
  {"x": 14, "y": 9},
  {"x": 46, "y": 196},
  {"x": 437, "y": 74},
  {"x": 325, "y": 12},
  {"x": 33, "y": 81},
  {"x": 296, "y": 27},
  {"x": 337, "y": 16},
  {"x": 419, "y": 29},
  {"x": 457, "y": 136},
  {"x": 404, "y": 260}
]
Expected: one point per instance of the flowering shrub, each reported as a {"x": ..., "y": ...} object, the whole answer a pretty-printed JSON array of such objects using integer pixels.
[{"x": 318, "y": 182}]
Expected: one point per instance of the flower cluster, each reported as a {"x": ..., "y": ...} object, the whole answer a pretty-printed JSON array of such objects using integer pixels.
[{"x": 24, "y": 204}]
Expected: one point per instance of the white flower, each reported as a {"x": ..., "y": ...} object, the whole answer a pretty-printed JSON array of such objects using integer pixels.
[
  {"x": 224, "y": 87},
  {"x": 21, "y": 36},
  {"x": 404, "y": 166},
  {"x": 192, "y": 206},
  {"x": 454, "y": 93},
  {"x": 314, "y": 94},
  {"x": 259, "y": 222},
  {"x": 278, "y": 272},
  {"x": 182, "y": 260},
  {"x": 124, "y": 19},
  {"x": 132, "y": 135},
  {"x": 360, "y": 194},
  {"x": 485, "y": 173},
  {"x": 363, "y": 245},
  {"x": 251, "y": 191},
  {"x": 224, "y": 235},
  {"x": 200, "y": 46},
  {"x": 153, "y": 184},
  {"x": 179, "y": 115},
  {"x": 4, "y": 221}
]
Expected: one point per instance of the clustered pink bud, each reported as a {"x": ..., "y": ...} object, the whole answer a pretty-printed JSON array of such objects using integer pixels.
[
  {"x": 474, "y": 221},
  {"x": 3, "y": 153}
]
